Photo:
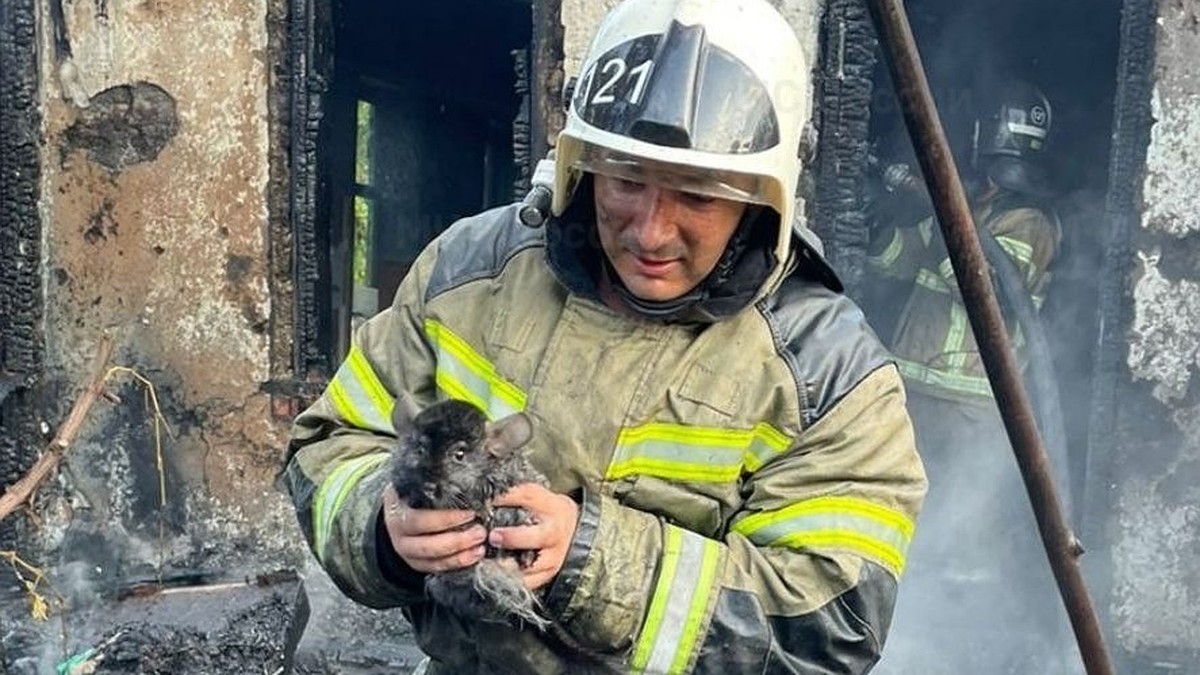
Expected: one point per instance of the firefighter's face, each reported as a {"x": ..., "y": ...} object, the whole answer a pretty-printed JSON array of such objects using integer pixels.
[{"x": 662, "y": 242}]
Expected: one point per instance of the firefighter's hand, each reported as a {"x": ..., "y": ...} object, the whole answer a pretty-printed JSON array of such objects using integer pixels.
[
  {"x": 554, "y": 519},
  {"x": 431, "y": 540}
]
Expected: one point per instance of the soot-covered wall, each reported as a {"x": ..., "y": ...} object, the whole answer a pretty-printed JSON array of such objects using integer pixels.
[{"x": 145, "y": 129}]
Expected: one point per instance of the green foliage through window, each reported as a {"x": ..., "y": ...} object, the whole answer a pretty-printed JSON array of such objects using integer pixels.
[{"x": 363, "y": 206}]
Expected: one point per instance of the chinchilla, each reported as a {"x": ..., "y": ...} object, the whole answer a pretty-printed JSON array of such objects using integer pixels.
[{"x": 450, "y": 457}]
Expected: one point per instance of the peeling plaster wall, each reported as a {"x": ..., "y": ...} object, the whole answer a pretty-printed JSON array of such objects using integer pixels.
[
  {"x": 1164, "y": 344},
  {"x": 155, "y": 209},
  {"x": 1156, "y": 523},
  {"x": 580, "y": 18}
]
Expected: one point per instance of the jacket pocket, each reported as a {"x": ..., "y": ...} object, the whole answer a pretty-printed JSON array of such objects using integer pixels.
[
  {"x": 705, "y": 397},
  {"x": 676, "y": 503}
]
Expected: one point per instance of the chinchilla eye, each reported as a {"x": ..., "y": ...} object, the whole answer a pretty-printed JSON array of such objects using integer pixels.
[{"x": 460, "y": 451}]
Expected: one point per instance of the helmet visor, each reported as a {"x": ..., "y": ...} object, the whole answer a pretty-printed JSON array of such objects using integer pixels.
[{"x": 734, "y": 186}]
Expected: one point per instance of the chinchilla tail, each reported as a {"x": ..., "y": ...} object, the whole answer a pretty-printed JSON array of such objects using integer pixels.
[{"x": 504, "y": 589}]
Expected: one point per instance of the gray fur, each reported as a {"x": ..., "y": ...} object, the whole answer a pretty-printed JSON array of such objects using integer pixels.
[{"x": 450, "y": 457}]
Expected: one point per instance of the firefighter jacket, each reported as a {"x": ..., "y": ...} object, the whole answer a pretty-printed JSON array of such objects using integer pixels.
[
  {"x": 748, "y": 486},
  {"x": 933, "y": 344}
]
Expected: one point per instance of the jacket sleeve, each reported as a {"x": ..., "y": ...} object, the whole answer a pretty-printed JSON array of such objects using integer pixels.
[
  {"x": 336, "y": 466},
  {"x": 900, "y": 252},
  {"x": 1029, "y": 237},
  {"x": 804, "y": 581}
]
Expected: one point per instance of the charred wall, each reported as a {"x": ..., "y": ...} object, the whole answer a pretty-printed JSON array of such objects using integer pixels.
[
  {"x": 21, "y": 342},
  {"x": 844, "y": 88},
  {"x": 149, "y": 131},
  {"x": 308, "y": 58}
]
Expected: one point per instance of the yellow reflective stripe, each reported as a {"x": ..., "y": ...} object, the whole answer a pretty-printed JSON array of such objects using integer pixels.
[
  {"x": 712, "y": 468},
  {"x": 925, "y": 228},
  {"x": 675, "y": 619},
  {"x": 692, "y": 453},
  {"x": 958, "y": 382},
  {"x": 463, "y": 373},
  {"x": 849, "y": 523},
  {"x": 931, "y": 281},
  {"x": 767, "y": 442},
  {"x": 673, "y": 451},
  {"x": 890, "y": 254},
  {"x": 358, "y": 396},
  {"x": 956, "y": 337},
  {"x": 1021, "y": 251},
  {"x": 946, "y": 271},
  {"x": 333, "y": 492}
]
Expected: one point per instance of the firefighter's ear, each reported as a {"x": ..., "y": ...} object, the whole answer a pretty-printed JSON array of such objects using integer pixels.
[{"x": 404, "y": 412}]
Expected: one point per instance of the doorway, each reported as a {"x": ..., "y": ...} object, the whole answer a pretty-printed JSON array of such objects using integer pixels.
[
  {"x": 418, "y": 133},
  {"x": 1070, "y": 51}
]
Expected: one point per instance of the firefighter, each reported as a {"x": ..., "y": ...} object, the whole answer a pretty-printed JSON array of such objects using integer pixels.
[
  {"x": 979, "y": 550},
  {"x": 734, "y": 479}
]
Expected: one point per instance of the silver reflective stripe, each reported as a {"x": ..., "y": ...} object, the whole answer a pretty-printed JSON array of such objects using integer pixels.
[
  {"x": 946, "y": 269},
  {"x": 768, "y": 443},
  {"x": 460, "y": 382},
  {"x": 841, "y": 523},
  {"x": 878, "y": 541},
  {"x": 1027, "y": 129},
  {"x": 675, "y": 460},
  {"x": 967, "y": 384},
  {"x": 674, "y": 621},
  {"x": 880, "y": 532},
  {"x": 358, "y": 396},
  {"x": 930, "y": 281},
  {"x": 1021, "y": 251},
  {"x": 926, "y": 230},
  {"x": 693, "y": 453},
  {"x": 956, "y": 337},
  {"x": 332, "y": 495},
  {"x": 464, "y": 374},
  {"x": 891, "y": 253}
]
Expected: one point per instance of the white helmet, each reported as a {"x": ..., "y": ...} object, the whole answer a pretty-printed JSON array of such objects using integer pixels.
[{"x": 712, "y": 92}]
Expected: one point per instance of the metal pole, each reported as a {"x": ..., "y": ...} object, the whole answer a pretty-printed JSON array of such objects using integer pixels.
[{"x": 971, "y": 271}]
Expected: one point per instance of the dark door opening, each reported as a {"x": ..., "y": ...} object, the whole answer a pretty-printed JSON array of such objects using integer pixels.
[
  {"x": 418, "y": 133},
  {"x": 1069, "y": 50}
]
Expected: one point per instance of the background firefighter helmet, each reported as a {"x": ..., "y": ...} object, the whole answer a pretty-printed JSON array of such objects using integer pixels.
[
  {"x": 1011, "y": 134},
  {"x": 715, "y": 92}
]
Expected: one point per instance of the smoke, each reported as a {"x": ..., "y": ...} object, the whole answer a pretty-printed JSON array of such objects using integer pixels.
[
  {"x": 351, "y": 635},
  {"x": 978, "y": 595}
]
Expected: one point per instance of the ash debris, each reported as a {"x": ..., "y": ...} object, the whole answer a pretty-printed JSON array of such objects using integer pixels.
[{"x": 250, "y": 642}]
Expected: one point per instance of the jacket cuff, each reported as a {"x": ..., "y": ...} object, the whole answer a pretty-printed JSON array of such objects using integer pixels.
[
  {"x": 559, "y": 593},
  {"x": 392, "y": 567}
]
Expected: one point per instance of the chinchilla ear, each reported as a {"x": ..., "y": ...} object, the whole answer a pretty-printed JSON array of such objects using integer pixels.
[
  {"x": 404, "y": 412},
  {"x": 508, "y": 434}
]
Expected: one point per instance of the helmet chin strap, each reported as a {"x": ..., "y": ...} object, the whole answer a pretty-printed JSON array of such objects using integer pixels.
[{"x": 667, "y": 309}]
